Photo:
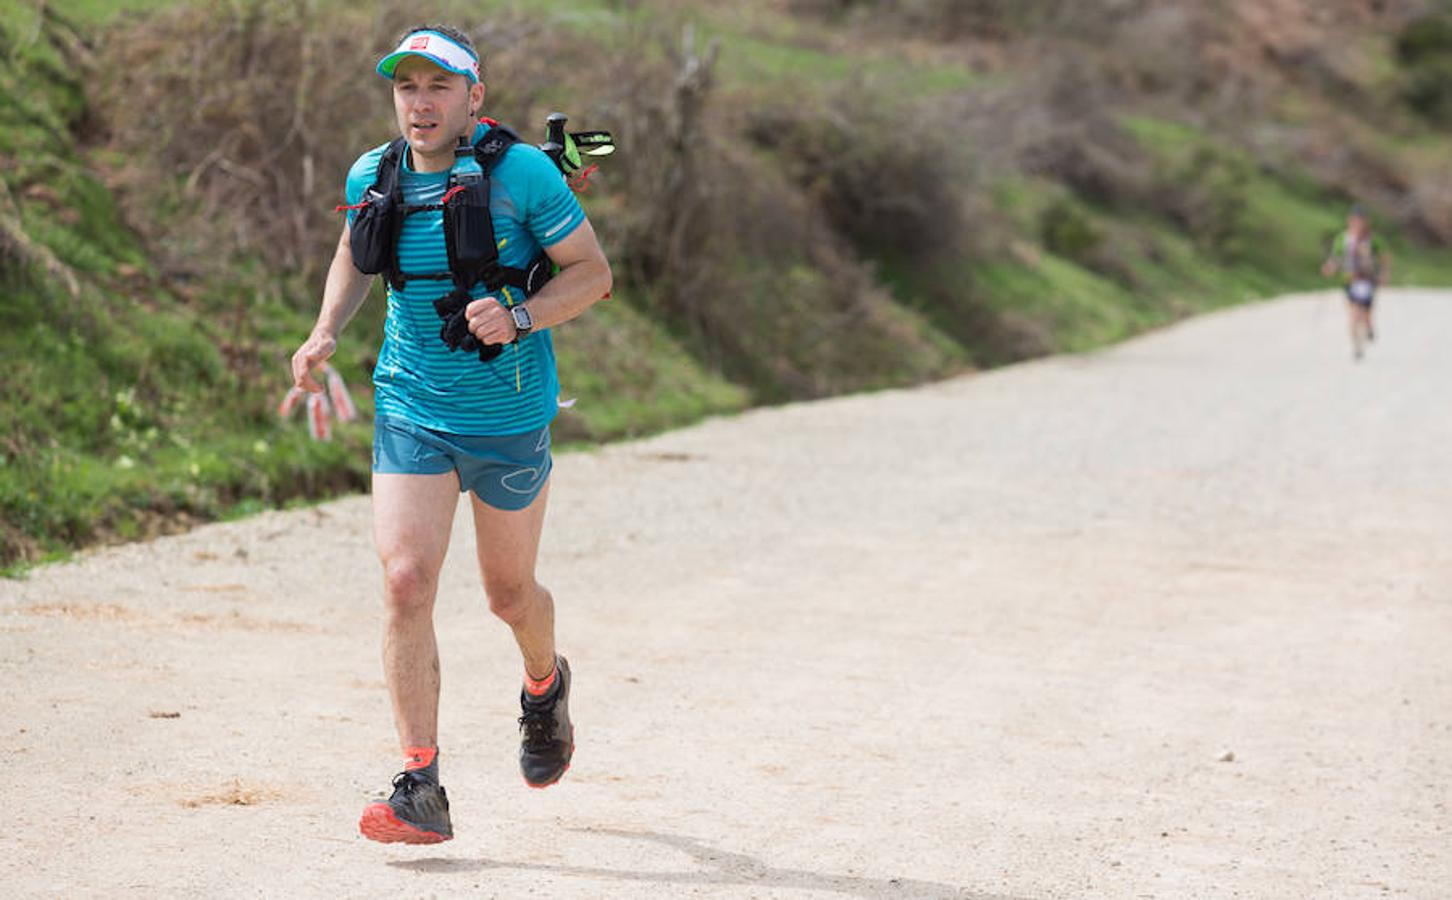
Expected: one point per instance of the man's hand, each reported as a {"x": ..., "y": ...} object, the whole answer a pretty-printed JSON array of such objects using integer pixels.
[
  {"x": 1328, "y": 268},
  {"x": 490, "y": 321},
  {"x": 314, "y": 352}
]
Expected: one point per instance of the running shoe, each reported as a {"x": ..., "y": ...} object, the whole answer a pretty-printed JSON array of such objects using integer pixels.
[
  {"x": 417, "y": 813},
  {"x": 547, "y": 738}
]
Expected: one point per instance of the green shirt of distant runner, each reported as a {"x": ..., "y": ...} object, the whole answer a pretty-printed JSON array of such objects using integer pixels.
[
  {"x": 413, "y": 512},
  {"x": 1364, "y": 267}
]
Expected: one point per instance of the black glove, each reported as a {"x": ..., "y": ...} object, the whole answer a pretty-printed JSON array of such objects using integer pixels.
[
  {"x": 455, "y": 331},
  {"x": 486, "y": 351},
  {"x": 450, "y": 308}
]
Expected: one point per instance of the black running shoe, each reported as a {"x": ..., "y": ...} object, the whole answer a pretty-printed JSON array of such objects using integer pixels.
[
  {"x": 417, "y": 813},
  {"x": 548, "y": 738}
]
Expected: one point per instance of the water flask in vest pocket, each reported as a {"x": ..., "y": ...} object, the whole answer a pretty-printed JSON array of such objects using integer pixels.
[
  {"x": 1362, "y": 289},
  {"x": 372, "y": 232},
  {"x": 469, "y": 231}
]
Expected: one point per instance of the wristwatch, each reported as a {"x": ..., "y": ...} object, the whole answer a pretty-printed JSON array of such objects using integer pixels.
[{"x": 523, "y": 321}]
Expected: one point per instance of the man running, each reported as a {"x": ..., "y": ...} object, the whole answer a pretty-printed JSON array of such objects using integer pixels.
[
  {"x": 1364, "y": 267},
  {"x": 448, "y": 422}
]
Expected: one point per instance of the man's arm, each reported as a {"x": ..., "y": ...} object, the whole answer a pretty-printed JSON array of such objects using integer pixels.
[
  {"x": 1333, "y": 261},
  {"x": 583, "y": 279},
  {"x": 343, "y": 292}
]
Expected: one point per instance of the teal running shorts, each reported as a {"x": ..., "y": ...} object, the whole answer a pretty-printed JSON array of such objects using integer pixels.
[{"x": 505, "y": 472}]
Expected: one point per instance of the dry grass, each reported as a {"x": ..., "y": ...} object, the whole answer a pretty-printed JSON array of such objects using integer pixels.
[
  {"x": 17, "y": 245},
  {"x": 81, "y": 612},
  {"x": 234, "y": 794},
  {"x": 236, "y": 123}
]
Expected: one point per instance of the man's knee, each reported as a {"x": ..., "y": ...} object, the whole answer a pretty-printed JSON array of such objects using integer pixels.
[
  {"x": 409, "y": 586},
  {"x": 511, "y": 598}
]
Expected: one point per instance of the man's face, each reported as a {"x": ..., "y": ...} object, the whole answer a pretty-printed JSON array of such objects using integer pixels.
[
  {"x": 1356, "y": 224},
  {"x": 433, "y": 105}
]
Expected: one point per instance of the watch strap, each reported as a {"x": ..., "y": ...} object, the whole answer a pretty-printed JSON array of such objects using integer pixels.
[{"x": 527, "y": 325}]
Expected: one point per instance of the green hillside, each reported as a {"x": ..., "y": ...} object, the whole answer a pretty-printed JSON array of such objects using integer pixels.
[{"x": 811, "y": 198}]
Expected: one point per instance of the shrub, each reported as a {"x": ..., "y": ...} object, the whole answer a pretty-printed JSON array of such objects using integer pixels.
[
  {"x": 236, "y": 122},
  {"x": 944, "y": 20},
  {"x": 883, "y": 181},
  {"x": 1424, "y": 50},
  {"x": 1067, "y": 230}
]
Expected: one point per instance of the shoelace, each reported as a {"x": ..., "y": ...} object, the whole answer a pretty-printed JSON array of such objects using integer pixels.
[
  {"x": 537, "y": 723},
  {"x": 408, "y": 781}
]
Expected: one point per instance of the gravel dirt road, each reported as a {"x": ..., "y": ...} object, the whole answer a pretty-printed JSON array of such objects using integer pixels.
[{"x": 1169, "y": 620}]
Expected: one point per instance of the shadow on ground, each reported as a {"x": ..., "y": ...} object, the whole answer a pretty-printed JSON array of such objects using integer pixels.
[{"x": 719, "y": 868}]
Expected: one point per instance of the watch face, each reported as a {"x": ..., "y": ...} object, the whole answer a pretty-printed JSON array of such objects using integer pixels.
[{"x": 522, "y": 319}]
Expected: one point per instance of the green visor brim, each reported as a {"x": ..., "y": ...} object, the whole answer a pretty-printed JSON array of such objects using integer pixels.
[{"x": 389, "y": 63}]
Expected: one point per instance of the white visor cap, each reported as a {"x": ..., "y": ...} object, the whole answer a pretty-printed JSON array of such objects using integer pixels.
[{"x": 438, "y": 49}]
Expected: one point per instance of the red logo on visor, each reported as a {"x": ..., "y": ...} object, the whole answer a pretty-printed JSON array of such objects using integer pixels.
[{"x": 419, "y": 43}]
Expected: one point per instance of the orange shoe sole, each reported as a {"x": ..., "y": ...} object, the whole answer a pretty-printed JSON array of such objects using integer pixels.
[{"x": 380, "y": 824}]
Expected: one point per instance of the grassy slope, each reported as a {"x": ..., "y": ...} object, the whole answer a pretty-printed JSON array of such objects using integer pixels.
[
  {"x": 1279, "y": 239},
  {"x": 122, "y": 423},
  {"x": 124, "y": 414},
  {"x": 1277, "y": 244}
]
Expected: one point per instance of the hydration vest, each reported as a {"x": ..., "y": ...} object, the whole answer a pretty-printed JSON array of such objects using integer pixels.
[
  {"x": 1359, "y": 259},
  {"x": 468, "y": 227}
]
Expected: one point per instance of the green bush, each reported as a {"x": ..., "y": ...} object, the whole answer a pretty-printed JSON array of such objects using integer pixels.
[
  {"x": 1426, "y": 37},
  {"x": 1067, "y": 230},
  {"x": 884, "y": 182},
  {"x": 945, "y": 20},
  {"x": 1424, "y": 49}
]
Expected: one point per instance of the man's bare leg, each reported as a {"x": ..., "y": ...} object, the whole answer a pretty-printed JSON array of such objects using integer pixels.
[
  {"x": 412, "y": 518},
  {"x": 1357, "y": 332},
  {"x": 508, "y": 545}
]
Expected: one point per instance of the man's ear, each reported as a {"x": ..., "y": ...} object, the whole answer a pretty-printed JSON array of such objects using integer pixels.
[{"x": 476, "y": 99}]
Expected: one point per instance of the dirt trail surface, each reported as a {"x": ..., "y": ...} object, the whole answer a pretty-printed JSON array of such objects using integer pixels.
[{"x": 993, "y": 638}]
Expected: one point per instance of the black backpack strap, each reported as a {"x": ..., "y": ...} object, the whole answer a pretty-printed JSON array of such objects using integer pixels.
[
  {"x": 389, "y": 182},
  {"x": 468, "y": 223},
  {"x": 386, "y": 180},
  {"x": 531, "y": 278},
  {"x": 497, "y": 141},
  {"x": 540, "y": 269},
  {"x": 373, "y": 232}
]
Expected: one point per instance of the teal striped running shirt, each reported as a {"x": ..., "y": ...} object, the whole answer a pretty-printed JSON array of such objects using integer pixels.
[{"x": 418, "y": 378}]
